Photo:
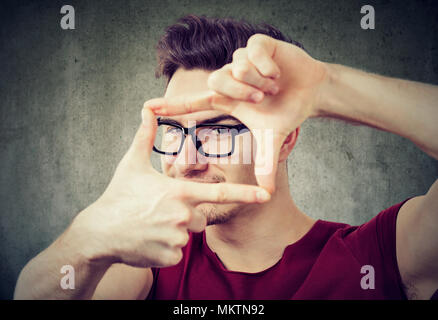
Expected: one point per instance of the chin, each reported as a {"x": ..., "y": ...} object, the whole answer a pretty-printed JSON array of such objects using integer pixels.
[{"x": 218, "y": 213}]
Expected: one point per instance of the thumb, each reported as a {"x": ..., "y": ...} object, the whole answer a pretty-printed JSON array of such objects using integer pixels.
[
  {"x": 266, "y": 159},
  {"x": 141, "y": 148}
]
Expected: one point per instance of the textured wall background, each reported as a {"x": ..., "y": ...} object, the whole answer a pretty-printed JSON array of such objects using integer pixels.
[{"x": 71, "y": 100}]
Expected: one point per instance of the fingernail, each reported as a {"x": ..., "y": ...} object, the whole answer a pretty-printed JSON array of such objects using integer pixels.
[
  {"x": 274, "y": 89},
  {"x": 263, "y": 196},
  {"x": 257, "y": 96}
]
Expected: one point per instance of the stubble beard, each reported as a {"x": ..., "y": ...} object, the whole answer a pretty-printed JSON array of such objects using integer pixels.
[{"x": 215, "y": 215}]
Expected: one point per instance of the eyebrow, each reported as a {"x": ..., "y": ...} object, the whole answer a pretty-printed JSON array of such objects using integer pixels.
[{"x": 209, "y": 120}]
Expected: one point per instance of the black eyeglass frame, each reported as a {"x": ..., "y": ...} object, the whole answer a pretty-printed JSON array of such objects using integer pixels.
[{"x": 238, "y": 129}]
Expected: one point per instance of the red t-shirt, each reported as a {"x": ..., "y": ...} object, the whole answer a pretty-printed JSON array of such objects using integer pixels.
[{"x": 326, "y": 263}]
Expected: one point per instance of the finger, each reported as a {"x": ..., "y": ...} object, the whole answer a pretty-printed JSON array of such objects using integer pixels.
[
  {"x": 266, "y": 160},
  {"x": 208, "y": 100},
  {"x": 141, "y": 148},
  {"x": 188, "y": 217},
  {"x": 223, "y": 82},
  {"x": 261, "y": 50},
  {"x": 198, "y": 222},
  {"x": 180, "y": 104},
  {"x": 196, "y": 193},
  {"x": 244, "y": 71}
]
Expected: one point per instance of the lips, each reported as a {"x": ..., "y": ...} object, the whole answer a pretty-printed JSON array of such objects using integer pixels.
[{"x": 201, "y": 180}]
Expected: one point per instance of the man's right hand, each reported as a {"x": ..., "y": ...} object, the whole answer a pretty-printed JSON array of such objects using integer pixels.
[{"x": 143, "y": 217}]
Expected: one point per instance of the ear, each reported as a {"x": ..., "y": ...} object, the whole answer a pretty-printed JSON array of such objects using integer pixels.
[{"x": 288, "y": 145}]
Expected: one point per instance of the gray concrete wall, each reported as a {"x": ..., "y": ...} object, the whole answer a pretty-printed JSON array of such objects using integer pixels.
[{"x": 71, "y": 100}]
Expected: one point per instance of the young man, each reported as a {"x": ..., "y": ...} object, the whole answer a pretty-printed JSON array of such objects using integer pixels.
[{"x": 178, "y": 236}]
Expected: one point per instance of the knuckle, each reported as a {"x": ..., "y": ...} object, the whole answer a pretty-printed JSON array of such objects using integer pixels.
[
  {"x": 256, "y": 53},
  {"x": 213, "y": 79},
  {"x": 256, "y": 38},
  {"x": 238, "y": 53},
  {"x": 174, "y": 239},
  {"x": 201, "y": 225},
  {"x": 171, "y": 257},
  {"x": 217, "y": 100},
  {"x": 241, "y": 71},
  {"x": 179, "y": 192},
  {"x": 185, "y": 216},
  {"x": 221, "y": 195},
  {"x": 242, "y": 93},
  {"x": 181, "y": 239},
  {"x": 268, "y": 84},
  {"x": 212, "y": 99},
  {"x": 188, "y": 107}
]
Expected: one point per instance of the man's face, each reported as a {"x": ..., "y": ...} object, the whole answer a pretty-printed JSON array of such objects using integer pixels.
[{"x": 190, "y": 165}]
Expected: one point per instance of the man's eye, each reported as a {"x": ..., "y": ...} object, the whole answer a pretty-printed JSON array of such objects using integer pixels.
[
  {"x": 173, "y": 130},
  {"x": 220, "y": 130}
]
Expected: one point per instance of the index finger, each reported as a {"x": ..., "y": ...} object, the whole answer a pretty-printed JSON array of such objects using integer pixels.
[
  {"x": 196, "y": 193},
  {"x": 209, "y": 100}
]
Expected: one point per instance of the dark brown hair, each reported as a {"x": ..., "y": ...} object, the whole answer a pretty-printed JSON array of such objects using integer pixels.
[{"x": 196, "y": 42}]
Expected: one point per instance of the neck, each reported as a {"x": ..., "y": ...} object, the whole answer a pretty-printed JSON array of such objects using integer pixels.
[{"x": 256, "y": 237}]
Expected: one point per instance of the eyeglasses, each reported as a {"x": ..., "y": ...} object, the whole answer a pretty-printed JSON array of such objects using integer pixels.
[{"x": 211, "y": 140}]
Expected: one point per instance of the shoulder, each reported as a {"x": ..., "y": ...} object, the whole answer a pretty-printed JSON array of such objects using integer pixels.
[
  {"x": 380, "y": 229},
  {"x": 376, "y": 237},
  {"x": 347, "y": 252},
  {"x": 374, "y": 243}
]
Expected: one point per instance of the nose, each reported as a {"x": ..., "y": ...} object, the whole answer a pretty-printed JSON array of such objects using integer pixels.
[{"x": 189, "y": 160}]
